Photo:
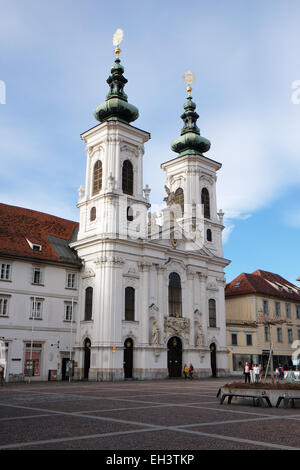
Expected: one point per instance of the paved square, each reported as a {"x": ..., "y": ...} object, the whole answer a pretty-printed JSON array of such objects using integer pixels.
[{"x": 146, "y": 415}]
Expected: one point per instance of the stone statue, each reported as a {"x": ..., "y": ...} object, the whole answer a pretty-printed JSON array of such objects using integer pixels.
[
  {"x": 199, "y": 337},
  {"x": 155, "y": 333},
  {"x": 170, "y": 199}
]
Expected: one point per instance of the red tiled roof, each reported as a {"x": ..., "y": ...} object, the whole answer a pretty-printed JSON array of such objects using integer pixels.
[
  {"x": 262, "y": 282},
  {"x": 18, "y": 224}
]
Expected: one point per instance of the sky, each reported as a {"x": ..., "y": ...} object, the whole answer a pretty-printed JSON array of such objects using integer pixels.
[{"x": 55, "y": 58}]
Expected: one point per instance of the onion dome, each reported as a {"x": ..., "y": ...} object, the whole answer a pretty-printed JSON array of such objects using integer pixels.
[
  {"x": 116, "y": 106},
  {"x": 190, "y": 140}
]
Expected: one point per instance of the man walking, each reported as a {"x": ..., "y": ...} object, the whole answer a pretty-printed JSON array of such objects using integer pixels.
[{"x": 246, "y": 372}]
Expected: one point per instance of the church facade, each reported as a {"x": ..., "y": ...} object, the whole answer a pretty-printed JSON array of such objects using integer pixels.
[{"x": 151, "y": 293}]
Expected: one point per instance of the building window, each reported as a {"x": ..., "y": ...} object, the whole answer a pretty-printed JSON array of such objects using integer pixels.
[
  {"x": 127, "y": 177},
  {"x": 266, "y": 307},
  {"x": 97, "y": 177},
  {"x": 129, "y": 214},
  {"x": 129, "y": 303},
  {"x": 36, "y": 308},
  {"x": 37, "y": 276},
  {"x": 5, "y": 272},
  {"x": 249, "y": 340},
  {"x": 4, "y": 306},
  {"x": 288, "y": 310},
  {"x": 68, "y": 311},
  {"x": 279, "y": 335},
  {"x": 298, "y": 312},
  {"x": 290, "y": 335},
  {"x": 88, "y": 303},
  {"x": 71, "y": 281},
  {"x": 175, "y": 296},
  {"x": 205, "y": 202},
  {"x": 212, "y": 313},
  {"x": 299, "y": 333},
  {"x": 234, "y": 340},
  {"x": 277, "y": 309},
  {"x": 267, "y": 333},
  {"x": 209, "y": 235},
  {"x": 93, "y": 214},
  {"x": 179, "y": 199}
]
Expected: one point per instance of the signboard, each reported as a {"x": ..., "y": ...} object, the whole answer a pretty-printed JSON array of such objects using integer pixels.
[
  {"x": 29, "y": 367},
  {"x": 114, "y": 348},
  {"x": 70, "y": 368}
]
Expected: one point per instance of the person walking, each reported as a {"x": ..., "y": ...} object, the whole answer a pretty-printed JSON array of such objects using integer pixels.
[
  {"x": 191, "y": 371},
  {"x": 246, "y": 372},
  {"x": 281, "y": 372},
  {"x": 185, "y": 371}
]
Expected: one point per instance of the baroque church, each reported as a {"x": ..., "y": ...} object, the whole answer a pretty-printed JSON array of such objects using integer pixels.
[{"x": 151, "y": 289}]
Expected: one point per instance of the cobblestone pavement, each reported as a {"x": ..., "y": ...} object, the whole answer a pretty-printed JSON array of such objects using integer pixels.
[{"x": 146, "y": 415}]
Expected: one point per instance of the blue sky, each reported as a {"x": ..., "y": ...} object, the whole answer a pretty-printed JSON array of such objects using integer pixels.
[{"x": 55, "y": 58}]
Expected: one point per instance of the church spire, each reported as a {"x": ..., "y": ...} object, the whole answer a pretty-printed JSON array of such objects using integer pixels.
[
  {"x": 190, "y": 140},
  {"x": 116, "y": 106}
]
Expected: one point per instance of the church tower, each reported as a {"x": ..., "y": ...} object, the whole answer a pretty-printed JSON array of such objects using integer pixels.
[
  {"x": 191, "y": 178},
  {"x": 112, "y": 197}
]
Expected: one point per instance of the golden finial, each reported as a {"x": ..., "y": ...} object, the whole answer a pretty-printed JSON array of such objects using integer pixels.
[{"x": 117, "y": 39}]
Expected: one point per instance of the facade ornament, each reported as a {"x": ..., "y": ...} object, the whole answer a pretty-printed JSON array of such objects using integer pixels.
[
  {"x": 110, "y": 260},
  {"x": 212, "y": 286},
  {"x": 111, "y": 182},
  {"x": 170, "y": 198},
  {"x": 147, "y": 192},
  {"x": 199, "y": 337},
  {"x": 221, "y": 216},
  {"x": 153, "y": 309},
  {"x": 88, "y": 272},
  {"x": 81, "y": 192},
  {"x": 155, "y": 333},
  {"x": 177, "y": 326},
  {"x": 144, "y": 266}
]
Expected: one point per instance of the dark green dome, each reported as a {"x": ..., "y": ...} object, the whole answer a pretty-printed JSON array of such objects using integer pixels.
[
  {"x": 116, "y": 106},
  {"x": 190, "y": 140}
]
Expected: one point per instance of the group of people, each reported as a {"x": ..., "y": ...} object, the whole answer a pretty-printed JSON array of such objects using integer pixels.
[
  {"x": 188, "y": 371},
  {"x": 258, "y": 372}
]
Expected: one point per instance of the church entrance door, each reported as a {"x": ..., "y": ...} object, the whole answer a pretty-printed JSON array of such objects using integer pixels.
[
  {"x": 128, "y": 358},
  {"x": 213, "y": 359},
  {"x": 175, "y": 357},
  {"x": 87, "y": 357}
]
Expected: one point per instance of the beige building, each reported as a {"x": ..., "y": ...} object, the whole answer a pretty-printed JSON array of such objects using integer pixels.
[{"x": 250, "y": 298}]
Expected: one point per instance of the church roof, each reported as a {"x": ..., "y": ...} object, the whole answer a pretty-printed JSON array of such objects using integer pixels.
[
  {"x": 264, "y": 283},
  {"x": 31, "y": 234}
]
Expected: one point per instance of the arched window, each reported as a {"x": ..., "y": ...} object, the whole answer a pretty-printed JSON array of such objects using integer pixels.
[
  {"x": 97, "y": 177},
  {"x": 88, "y": 303},
  {"x": 209, "y": 235},
  {"x": 129, "y": 303},
  {"x": 179, "y": 198},
  {"x": 212, "y": 314},
  {"x": 205, "y": 202},
  {"x": 93, "y": 214},
  {"x": 175, "y": 302},
  {"x": 129, "y": 214},
  {"x": 127, "y": 177}
]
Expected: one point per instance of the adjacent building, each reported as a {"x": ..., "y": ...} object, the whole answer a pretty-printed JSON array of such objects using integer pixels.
[
  {"x": 39, "y": 278},
  {"x": 252, "y": 300}
]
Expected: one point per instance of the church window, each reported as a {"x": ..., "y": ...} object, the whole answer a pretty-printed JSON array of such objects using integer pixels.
[
  {"x": 175, "y": 297},
  {"x": 97, "y": 177},
  {"x": 129, "y": 214},
  {"x": 129, "y": 303},
  {"x": 205, "y": 202},
  {"x": 93, "y": 214},
  {"x": 127, "y": 177},
  {"x": 212, "y": 313},
  {"x": 88, "y": 303},
  {"x": 209, "y": 235}
]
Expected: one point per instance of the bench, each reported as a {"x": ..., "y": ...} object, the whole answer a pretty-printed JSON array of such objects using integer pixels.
[
  {"x": 286, "y": 400},
  {"x": 259, "y": 398}
]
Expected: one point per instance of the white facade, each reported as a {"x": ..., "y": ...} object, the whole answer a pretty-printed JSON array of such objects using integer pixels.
[
  {"x": 35, "y": 322},
  {"x": 114, "y": 259}
]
